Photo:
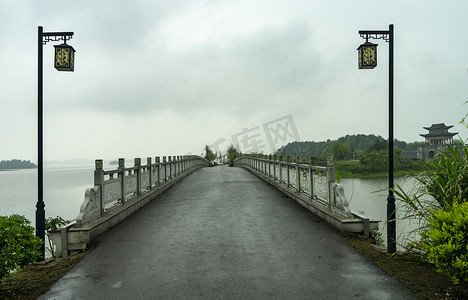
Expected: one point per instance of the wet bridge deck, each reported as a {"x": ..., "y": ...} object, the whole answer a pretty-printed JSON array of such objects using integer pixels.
[{"x": 222, "y": 233}]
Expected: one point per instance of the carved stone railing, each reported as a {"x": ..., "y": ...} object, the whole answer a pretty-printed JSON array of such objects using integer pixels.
[
  {"x": 114, "y": 188},
  {"x": 318, "y": 183}
]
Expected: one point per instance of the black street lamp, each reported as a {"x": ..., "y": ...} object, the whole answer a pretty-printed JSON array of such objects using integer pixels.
[
  {"x": 64, "y": 61},
  {"x": 368, "y": 60}
]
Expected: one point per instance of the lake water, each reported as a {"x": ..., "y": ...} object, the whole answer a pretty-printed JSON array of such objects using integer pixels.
[
  {"x": 369, "y": 196},
  {"x": 64, "y": 189}
]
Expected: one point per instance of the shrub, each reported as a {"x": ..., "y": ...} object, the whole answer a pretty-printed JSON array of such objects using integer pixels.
[
  {"x": 444, "y": 182},
  {"x": 232, "y": 153},
  {"x": 446, "y": 241},
  {"x": 54, "y": 224},
  {"x": 18, "y": 244},
  {"x": 447, "y": 177}
]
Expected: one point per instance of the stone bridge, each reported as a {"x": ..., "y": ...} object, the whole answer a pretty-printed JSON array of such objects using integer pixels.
[
  {"x": 118, "y": 193},
  {"x": 219, "y": 233}
]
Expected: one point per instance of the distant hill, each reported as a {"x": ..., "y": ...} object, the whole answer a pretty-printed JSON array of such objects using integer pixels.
[
  {"x": 73, "y": 161},
  {"x": 16, "y": 164},
  {"x": 351, "y": 147}
]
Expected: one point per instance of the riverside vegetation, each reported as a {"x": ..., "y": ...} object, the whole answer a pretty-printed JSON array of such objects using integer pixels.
[{"x": 357, "y": 155}]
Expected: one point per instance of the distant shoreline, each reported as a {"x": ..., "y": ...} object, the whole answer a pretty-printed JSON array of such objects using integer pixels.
[{"x": 16, "y": 164}]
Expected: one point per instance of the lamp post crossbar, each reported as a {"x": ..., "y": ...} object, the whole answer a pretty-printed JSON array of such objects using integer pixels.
[
  {"x": 375, "y": 34},
  {"x": 55, "y": 36}
]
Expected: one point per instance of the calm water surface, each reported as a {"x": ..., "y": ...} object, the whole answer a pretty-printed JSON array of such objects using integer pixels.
[
  {"x": 369, "y": 196},
  {"x": 64, "y": 189}
]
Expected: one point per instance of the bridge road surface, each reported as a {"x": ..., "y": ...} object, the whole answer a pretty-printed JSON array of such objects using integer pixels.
[{"x": 222, "y": 233}]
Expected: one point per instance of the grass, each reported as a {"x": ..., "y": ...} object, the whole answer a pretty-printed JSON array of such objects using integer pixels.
[
  {"x": 419, "y": 277},
  {"x": 353, "y": 169}
]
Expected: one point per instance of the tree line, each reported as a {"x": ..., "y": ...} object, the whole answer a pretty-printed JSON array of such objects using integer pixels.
[
  {"x": 355, "y": 154},
  {"x": 16, "y": 164},
  {"x": 349, "y": 147}
]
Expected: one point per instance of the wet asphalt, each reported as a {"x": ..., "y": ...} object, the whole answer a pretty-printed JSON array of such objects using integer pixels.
[{"x": 222, "y": 233}]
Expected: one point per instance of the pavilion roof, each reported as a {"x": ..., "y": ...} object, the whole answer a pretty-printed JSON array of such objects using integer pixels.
[
  {"x": 439, "y": 134},
  {"x": 438, "y": 126}
]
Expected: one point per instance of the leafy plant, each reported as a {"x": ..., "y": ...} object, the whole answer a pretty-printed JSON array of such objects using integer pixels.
[
  {"x": 210, "y": 156},
  {"x": 444, "y": 182},
  {"x": 446, "y": 241},
  {"x": 447, "y": 177},
  {"x": 54, "y": 224},
  {"x": 232, "y": 153},
  {"x": 18, "y": 244},
  {"x": 463, "y": 121},
  {"x": 378, "y": 239}
]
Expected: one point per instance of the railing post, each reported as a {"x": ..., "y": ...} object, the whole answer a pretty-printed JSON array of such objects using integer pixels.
[
  {"x": 182, "y": 163},
  {"x": 330, "y": 180},
  {"x": 280, "y": 158},
  {"x": 157, "y": 168},
  {"x": 178, "y": 165},
  {"x": 170, "y": 166},
  {"x": 165, "y": 168},
  {"x": 149, "y": 169},
  {"x": 269, "y": 166},
  {"x": 274, "y": 167},
  {"x": 311, "y": 173},
  {"x": 122, "y": 179},
  {"x": 298, "y": 174},
  {"x": 137, "y": 166},
  {"x": 99, "y": 181},
  {"x": 288, "y": 160}
]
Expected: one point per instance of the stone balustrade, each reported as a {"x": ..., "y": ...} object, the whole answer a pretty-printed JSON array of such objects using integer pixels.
[
  {"x": 312, "y": 186},
  {"x": 118, "y": 193},
  {"x": 115, "y": 187}
]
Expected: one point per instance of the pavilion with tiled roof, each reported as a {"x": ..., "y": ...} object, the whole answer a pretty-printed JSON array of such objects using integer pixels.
[{"x": 439, "y": 134}]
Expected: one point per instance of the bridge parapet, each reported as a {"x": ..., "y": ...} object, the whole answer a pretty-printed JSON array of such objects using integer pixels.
[
  {"x": 116, "y": 187},
  {"x": 316, "y": 182},
  {"x": 118, "y": 193},
  {"x": 313, "y": 186}
]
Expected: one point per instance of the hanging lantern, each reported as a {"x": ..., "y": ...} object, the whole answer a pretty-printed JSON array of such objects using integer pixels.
[
  {"x": 367, "y": 55},
  {"x": 64, "y": 57}
]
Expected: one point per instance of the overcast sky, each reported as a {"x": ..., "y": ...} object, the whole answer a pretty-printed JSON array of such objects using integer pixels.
[{"x": 167, "y": 77}]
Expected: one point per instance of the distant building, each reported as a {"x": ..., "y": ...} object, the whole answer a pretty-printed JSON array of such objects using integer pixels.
[
  {"x": 439, "y": 135},
  {"x": 437, "y": 140}
]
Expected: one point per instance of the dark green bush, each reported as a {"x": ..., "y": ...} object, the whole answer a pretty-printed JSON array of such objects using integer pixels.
[
  {"x": 446, "y": 241},
  {"x": 18, "y": 244}
]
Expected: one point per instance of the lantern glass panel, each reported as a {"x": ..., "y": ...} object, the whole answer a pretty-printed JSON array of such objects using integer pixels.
[
  {"x": 367, "y": 56},
  {"x": 64, "y": 58}
]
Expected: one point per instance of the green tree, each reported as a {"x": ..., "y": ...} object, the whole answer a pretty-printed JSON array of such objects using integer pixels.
[
  {"x": 210, "y": 156},
  {"x": 341, "y": 151},
  {"x": 375, "y": 161},
  {"x": 378, "y": 145},
  {"x": 232, "y": 153}
]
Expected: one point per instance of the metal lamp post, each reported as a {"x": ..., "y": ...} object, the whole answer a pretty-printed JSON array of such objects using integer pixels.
[
  {"x": 368, "y": 60},
  {"x": 64, "y": 61}
]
